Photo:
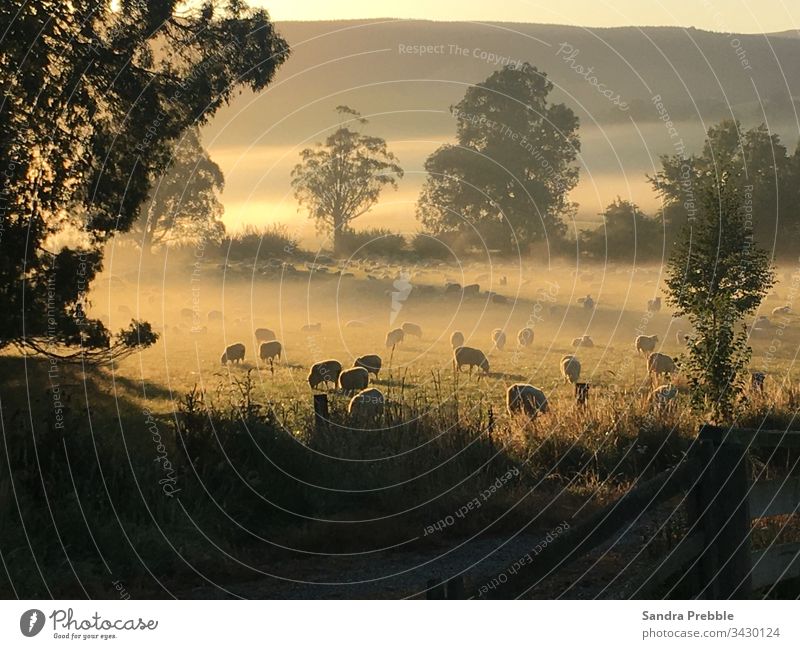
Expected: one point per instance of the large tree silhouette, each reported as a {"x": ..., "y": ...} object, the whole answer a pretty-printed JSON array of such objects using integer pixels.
[
  {"x": 511, "y": 169},
  {"x": 93, "y": 101},
  {"x": 342, "y": 178}
]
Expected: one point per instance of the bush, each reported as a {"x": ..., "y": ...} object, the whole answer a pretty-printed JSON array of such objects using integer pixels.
[
  {"x": 375, "y": 242},
  {"x": 265, "y": 242}
]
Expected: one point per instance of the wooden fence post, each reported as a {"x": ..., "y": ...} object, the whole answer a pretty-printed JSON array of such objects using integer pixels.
[
  {"x": 321, "y": 416},
  {"x": 581, "y": 393},
  {"x": 722, "y": 513}
]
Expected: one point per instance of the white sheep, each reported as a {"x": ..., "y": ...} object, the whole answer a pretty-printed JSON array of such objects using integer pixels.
[
  {"x": 263, "y": 334},
  {"x": 456, "y": 339},
  {"x": 583, "y": 341},
  {"x": 233, "y": 353},
  {"x": 355, "y": 324},
  {"x": 367, "y": 404},
  {"x": 354, "y": 379},
  {"x": 471, "y": 357},
  {"x": 324, "y": 372},
  {"x": 660, "y": 364},
  {"x": 411, "y": 329},
  {"x": 683, "y": 338},
  {"x": 525, "y": 337},
  {"x": 523, "y": 397},
  {"x": 270, "y": 349},
  {"x": 645, "y": 344},
  {"x": 782, "y": 310},
  {"x": 215, "y": 316},
  {"x": 394, "y": 337},
  {"x": 570, "y": 369},
  {"x": 370, "y": 362},
  {"x": 499, "y": 338},
  {"x": 312, "y": 326}
]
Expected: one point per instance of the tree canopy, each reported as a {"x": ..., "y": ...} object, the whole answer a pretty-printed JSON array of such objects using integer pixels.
[
  {"x": 509, "y": 173},
  {"x": 183, "y": 205},
  {"x": 94, "y": 99},
  {"x": 342, "y": 178},
  {"x": 627, "y": 234}
]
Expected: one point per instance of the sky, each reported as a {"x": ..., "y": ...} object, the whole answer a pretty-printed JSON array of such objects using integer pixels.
[{"x": 739, "y": 16}]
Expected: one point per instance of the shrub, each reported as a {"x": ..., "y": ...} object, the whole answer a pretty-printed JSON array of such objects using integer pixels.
[{"x": 375, "y": 242}]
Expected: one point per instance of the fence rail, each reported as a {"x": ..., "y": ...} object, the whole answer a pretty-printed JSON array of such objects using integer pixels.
[{"x": 721, "y": 504}]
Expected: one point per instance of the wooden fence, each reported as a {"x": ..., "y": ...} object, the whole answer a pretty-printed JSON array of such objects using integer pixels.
[{"x": 714, "y": 559}]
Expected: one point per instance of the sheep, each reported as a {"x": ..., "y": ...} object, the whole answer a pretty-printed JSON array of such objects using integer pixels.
[
  {"x": 525, "y": 337},
  {"x": 499, "y": 338},
  {"x": 355, "y": 324},
  {"x": 370, "y": 362},
  {"x": 411, "y": 329},
  {"x": 583, "y": 341},
  {"x": 263, "y": 334},
  {"x": 394, "y": 337},
  {"x": 654, "y": 305},
  {"x": 782, "y": 310},
  {"x": 456, "y": 339},
  {"x": 658, "y": 364},
  {"x": 471, "y": 357},
  {"x": 663, "y": 394},
  {"x": 233, "y": 353},
  {"x": 324, "y": 372},
  {"x": 499, "y": 299},
  {"x": 523, "y": 397},
  {"x": 367, "y": 404},
  {"x": 353, "y": 380},
  {"x": 588, "y": 302},
  {"x": 270, "y": 349},
  {"x": 312, "y": 326},
  {"x": 645, "y": 344},
  {"x": 570, "y": 369},
  {"x": 215, "y": 316}
]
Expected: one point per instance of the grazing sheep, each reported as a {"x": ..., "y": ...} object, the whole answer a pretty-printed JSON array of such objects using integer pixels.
[
  {"x": 663, "y": 394},
  {"x": 523, "y": 397},
  {"x": 394, "y": 337},
  {"x": 654, "y": 305},
  {"x": 660, "y": 364},
  {"x": 588, "y": 302},
  {"x": 583, "y": 341},
  {"x": 312, "y": 326},
  {"x": 269, "y": 350},
  {"x": 570, "y": 369},
  {"x": 355, "y": 324},
  {"x": 324, "y": 372},
  {"x": 683, "y": 338},
  {"x": 471, "y": 357},
  {"x": 370, "y": 362},
  {"x": 367, "y": 404},
  {"x": 456, "y": 339},
  {"x": 354, "y": 379},
  {"x": 525, "y": 337},
  {"x": 263, "y": 334},
  {"x": 215, "y": 316},
  {"x": 499, "y": 338},
  {"x": 233, "y": 353},
  {"x": 782, "y": 310},
  {"x": 646, "y": 344},
  {"x": 411, "y": 329}
]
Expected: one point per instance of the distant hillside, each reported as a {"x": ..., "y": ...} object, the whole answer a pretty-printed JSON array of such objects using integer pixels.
[
  {"x": 366, "y": 64},
  {"x": 405, "y": 75}
]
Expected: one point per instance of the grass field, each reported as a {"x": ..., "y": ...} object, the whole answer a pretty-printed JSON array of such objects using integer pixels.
[{"x": 184, "y": 471}]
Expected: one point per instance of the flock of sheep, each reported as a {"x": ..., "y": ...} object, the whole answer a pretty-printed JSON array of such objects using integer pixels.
[{"x": 369, "y": 402}]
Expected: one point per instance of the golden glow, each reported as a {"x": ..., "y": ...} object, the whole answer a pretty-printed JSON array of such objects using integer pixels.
[{"x": 740, "y": 16}]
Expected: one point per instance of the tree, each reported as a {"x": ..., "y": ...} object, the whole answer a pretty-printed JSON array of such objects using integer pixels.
[
  {"x": 715, "y": 277},
  {"x": 759, "y": 161},
  {"x": 626, "y": 234},
  {"x": 342, "y": 179},
  {"x": 183, "y": 205},
  {"x": 509, "y": 174},
  {"x": 94, "y": 99}
]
